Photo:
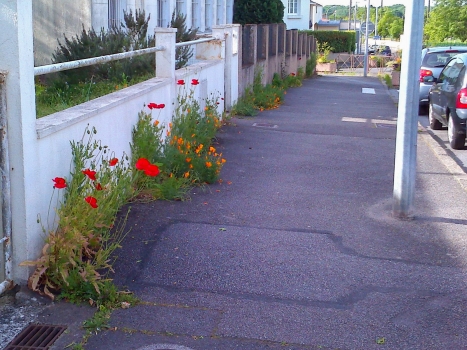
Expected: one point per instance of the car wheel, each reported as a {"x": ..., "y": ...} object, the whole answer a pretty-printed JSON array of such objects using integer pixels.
[
  {"x": 435, "y": 124},
  {"x": 456, "y": 139}
]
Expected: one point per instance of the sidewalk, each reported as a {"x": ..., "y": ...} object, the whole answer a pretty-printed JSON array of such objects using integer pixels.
[{"x": 296, "y": 247}]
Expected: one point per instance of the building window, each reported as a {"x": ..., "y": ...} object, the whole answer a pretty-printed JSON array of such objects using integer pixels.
[
  {"x": 116, "y": 8},
  {"x": 162, "y": 20},
  {"x": 208, "y": 15},
  {"x": 219, "y": 12},
  {"x": 292, "y": 9},
  {"x": 195, "y": 14},
  {"x": 180, "y": 6}
]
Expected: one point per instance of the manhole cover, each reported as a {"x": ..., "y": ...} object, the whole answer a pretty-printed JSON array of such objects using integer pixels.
[
  {"x": 36, "y": 337},
  {"x": 265, "y": 125}
]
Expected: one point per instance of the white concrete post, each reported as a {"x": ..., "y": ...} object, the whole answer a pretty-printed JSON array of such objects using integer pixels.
[
  {"x": 17, "y": 60},
  {"x": 165, "y": 60},
  {"x": 230, "y": 34}
]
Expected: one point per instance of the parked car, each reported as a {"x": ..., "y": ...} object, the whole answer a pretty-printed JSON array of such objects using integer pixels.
[
  {"x": 386, "y": 51},
  {"x": 448, "y": 101},
  {"x": 433, "y": 61}
]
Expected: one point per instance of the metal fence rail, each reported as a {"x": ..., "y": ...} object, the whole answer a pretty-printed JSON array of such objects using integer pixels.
[{"x": 59, "y": 67}]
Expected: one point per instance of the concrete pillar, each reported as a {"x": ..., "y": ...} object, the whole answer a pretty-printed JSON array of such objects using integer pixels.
[
  {"x": 229, "y": 33},
  {"x": 17, "y": 60},
  {"x": 165, "y": 60}
]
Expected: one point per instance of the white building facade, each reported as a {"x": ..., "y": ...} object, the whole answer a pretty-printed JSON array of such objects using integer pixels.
[
  {"x": 55, "y": 18},
  {"x": 302, "y": 14}
]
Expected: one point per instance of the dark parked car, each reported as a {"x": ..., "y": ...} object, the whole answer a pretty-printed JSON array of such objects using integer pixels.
[
  {"x": 386, "y": 51},
  {"x": 433, "y": 61},
  {"x": 448, "y": 101}
]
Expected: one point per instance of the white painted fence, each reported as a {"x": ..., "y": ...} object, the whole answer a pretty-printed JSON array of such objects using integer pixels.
[{"x": 40, "y": 149}]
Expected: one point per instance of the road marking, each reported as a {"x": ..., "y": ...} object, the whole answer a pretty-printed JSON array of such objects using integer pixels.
[
  {"x": 368, "y": 91},
  {"x": 164, "y": 347}
]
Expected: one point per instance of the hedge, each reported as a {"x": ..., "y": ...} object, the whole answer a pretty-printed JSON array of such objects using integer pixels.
[{"x": 337, "y": 41}]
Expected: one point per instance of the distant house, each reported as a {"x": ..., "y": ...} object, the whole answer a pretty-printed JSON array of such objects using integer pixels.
[
  {"x": 302, "y": 14},
  {"x": 325, "y": 24},
  {"x": 54, "y": 18}
]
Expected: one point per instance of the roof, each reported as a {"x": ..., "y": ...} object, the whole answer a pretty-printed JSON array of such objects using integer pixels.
[{"x": 329, "y": 23}]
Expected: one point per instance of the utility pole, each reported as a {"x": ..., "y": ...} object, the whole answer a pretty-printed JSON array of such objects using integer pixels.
[
  {"x": 407, "y": 118},
  {"x": 365, "y": 66},
  {"x": 350, "y": 13}
]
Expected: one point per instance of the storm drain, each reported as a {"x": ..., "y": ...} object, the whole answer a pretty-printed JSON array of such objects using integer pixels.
[{"x": 36, "y": 337}]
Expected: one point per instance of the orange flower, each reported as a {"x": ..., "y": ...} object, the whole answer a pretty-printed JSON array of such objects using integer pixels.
[
  {"x": 156, "y": 123},
  {"x": 208, "y": 164},
  {"x": 187, "y": 174},
  {"x": 223, "y": 160},
  {"x": 212, "y": 149},
  {"x": 188, "y": 160}
]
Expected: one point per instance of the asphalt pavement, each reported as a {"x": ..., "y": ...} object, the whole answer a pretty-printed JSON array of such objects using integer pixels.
[{"x": 296, "y": 247}]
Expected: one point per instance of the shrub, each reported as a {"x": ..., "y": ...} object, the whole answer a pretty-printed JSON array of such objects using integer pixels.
[
  {"x": 337, "y": 41},
  {"x": 258, "y": 11},
  {"x": 132, "y": 34},
  {"x": 183, "y": 53}
]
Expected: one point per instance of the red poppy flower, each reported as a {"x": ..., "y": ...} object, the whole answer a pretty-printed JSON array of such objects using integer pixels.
[
  {"x": 160, "y": 106},
  {"x": 113, "y": 161},
  {"x": 142, "y": 164},
  {"x": 90, "y": 173},
  {"x": 59, "y": 182},
  {"x": 98, "y": 186},
  {"x": 181, "y": 82},
  {"x": 92, "y": 201},
  {"x": 152, "y": 105},
  {"x": 151, "y": 170},
  {"x": 292, "y": 74},
  {"x": 194, "y": 81}
]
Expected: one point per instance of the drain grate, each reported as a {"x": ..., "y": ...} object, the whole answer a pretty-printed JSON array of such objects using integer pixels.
[{"x": 36, "y": 337}]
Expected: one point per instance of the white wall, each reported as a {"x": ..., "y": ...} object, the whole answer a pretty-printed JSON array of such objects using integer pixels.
[{"x": 40, "y": 149}]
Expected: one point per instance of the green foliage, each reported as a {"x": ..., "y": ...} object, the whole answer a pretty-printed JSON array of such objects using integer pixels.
[
  {"x": 186, "y": 156},
  {"x": 337, "y": 41},
  {"x": 59, "y": 95},
  {"x": 132, "y": 34},
  {"x": 258, "y": 11},
  {"x": 447, "y": 21},
  {"x": 259, "y": 98},
  {"x": 390, "y": 25},
  {"x": 311, "y": 65},
  {"x": 184, "y": 53},
  {"x": 78, "y": 253}
]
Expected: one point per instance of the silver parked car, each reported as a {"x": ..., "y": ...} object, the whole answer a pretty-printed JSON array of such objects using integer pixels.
[
  {"x": 433, "y": 61},
  {"x": 448, "y": 101}
]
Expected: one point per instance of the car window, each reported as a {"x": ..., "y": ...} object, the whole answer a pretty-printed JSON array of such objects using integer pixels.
[
  {"x": 445, "y": 73},
  {"x": 438, "y": 59},
  {"x": 451, "y": 72}
]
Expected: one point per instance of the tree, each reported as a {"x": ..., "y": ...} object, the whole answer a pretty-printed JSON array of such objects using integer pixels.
[
  {"x": 258, "y": 11},
  {"x": 396, "y": 28},
  {"x": 447, "y": 21}
]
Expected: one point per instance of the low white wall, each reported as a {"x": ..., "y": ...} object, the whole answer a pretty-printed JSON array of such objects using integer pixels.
[{"x": 113, "y": 116}]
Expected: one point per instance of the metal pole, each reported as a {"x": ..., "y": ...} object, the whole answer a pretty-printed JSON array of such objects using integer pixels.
[
  {"x": 350, "y": 13},
  {"x": 365, "y": 69},
  {"x": 407, "y": 121}
]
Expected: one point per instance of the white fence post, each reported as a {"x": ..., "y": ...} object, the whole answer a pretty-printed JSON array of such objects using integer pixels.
[
  {"x": 229, "y": 33},
  {"x": 165, "y": 60},
  {"x": 17, "y": 59}
]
